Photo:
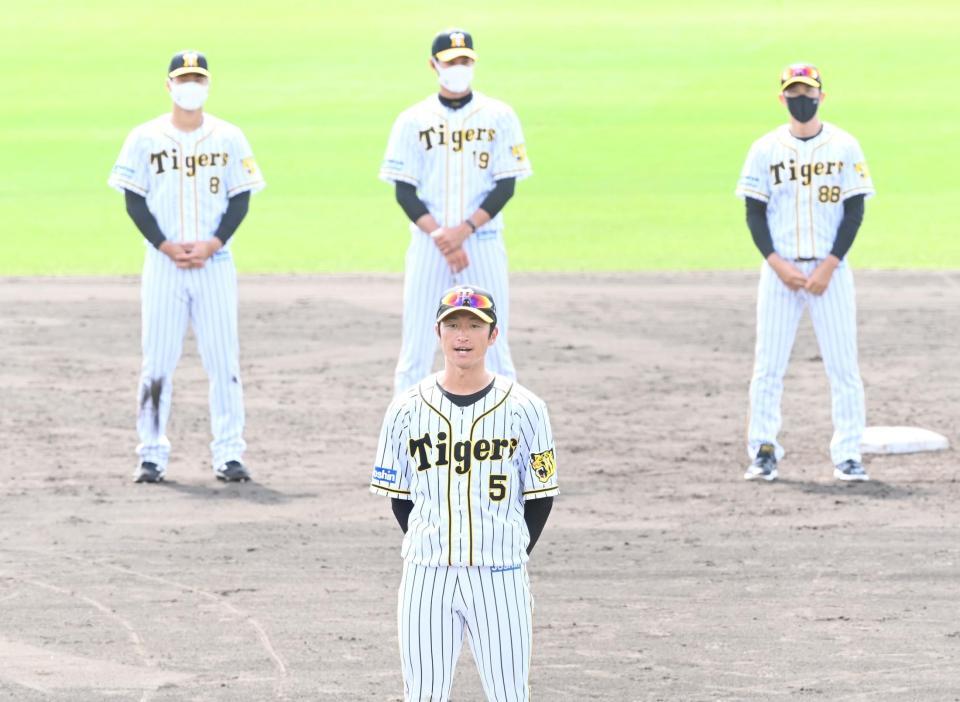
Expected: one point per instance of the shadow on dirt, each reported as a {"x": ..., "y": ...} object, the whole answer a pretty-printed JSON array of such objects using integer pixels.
[
  {"x": 872, "y": 488},
  {"x": 249, "y": 492}
]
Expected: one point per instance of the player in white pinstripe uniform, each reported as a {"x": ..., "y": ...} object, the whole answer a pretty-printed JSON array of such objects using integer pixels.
[
  {"x": 468, "y": 458},
  {"x": 187, "y": 177},
  {"x": 804, "y": 185},
  {"x": 454, "y": 159}
]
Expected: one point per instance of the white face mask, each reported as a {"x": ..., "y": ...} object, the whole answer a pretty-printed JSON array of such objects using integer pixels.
[
  {"x": 189, "y": 95},
  {"x": 456, "y": 78}
]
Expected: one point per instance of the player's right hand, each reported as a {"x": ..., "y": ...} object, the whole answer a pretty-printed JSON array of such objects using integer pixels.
[
  {"x": 791, "y": 276},
  {"x": 449, "y": 239}
]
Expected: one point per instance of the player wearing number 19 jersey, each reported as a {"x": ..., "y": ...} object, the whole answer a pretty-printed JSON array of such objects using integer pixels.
[
  {"x": 187, "y": 178},
  {"x": 468, "y": 458},
  {"x": 454, "y": 160},
  {"x": 804, "y": 185}
]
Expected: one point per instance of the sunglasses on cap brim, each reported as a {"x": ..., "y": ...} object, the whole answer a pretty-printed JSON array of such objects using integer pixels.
[{"x": 467, "y": 299}]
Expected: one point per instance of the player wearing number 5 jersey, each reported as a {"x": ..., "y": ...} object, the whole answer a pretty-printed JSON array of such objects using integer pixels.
[
  {"x": 454, "y": 159},
  {"x": 804, "y": 185},
  {"x": 187, "y": 178},
  {"x": 468, "y": 458}
]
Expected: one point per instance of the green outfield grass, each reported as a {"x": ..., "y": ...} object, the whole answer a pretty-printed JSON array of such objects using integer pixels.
[{"x": 637, "y": 117}]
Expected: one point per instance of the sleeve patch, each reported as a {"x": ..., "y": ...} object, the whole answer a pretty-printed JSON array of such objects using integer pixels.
[
  {"x": 385, "y": 475},
  {"x": 544, "y": 465}
]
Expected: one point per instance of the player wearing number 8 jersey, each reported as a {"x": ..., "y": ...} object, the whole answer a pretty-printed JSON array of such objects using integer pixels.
[
  {"x": 454, "y": 160},
  {"x": 468, "y": 458},
  {"x": 187, "y": 178},
  {"x": 804, "y": 185}
]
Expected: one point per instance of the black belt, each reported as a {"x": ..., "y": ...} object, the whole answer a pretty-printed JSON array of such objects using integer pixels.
[{"x": 806, "y": 259}]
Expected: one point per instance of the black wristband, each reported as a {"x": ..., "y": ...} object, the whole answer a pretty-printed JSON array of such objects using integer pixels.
[{"x": 469, "y": 223}]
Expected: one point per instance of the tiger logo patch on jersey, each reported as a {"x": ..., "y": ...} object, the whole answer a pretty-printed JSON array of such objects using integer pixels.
[{"x": 544, "y": 465}]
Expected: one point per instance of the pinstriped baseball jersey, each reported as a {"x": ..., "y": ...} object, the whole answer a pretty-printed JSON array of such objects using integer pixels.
[
  {"x": 455, "y": 157},
  {"x": 804, "y": 184},
  {"x": 186, "y": 178},
  {"x": 468, "y": 471}
]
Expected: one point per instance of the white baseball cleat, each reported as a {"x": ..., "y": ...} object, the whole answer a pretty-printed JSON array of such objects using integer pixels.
[{"x": 850, "y": 470}]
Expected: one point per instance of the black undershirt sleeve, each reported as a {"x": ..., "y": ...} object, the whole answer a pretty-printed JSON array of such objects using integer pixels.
[
  {"x": 535, "y": 513},
  {"x": 852, "y": 219},
  {"x": 237, "y": 208},
  {"x": 759, "y": 227},
  {"x": 412, "y": 205},
  {"x": 402, "y": 510},
  {"x": 143, "y": 218},
  {"x": 498, "y": 197}
]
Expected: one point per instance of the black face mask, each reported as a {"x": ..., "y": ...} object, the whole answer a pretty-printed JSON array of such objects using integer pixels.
[{"x": 803, "y": 108}]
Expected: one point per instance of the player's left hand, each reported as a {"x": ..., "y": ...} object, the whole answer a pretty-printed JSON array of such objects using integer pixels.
[
  {"x": 457, "y": 260},
  {"x": 200, "y": 251},
  {"x": 449, "y": 239},
  {"x": 819, "y": 279}
]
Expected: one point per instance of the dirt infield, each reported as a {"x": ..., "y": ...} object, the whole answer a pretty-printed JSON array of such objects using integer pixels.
[{"x": 662, "y": 575}]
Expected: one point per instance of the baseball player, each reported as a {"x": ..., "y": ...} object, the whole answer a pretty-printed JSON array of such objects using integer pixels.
[
  {"x": 186, "y": 177},
  {"x": 467, "y": 457},
  {"x": 454, "y": 159},
  {"x": 804, "y": 185}
]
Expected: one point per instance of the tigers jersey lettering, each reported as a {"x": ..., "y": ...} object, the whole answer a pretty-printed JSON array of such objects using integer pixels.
[
  {"x": 468, "y": 471},
  {"x": 804, "y": 184}
]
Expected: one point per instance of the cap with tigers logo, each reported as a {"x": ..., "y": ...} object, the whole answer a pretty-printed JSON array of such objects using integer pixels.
[
  {"x": 185, "y": 62},
  {"x": 452, "y": 43}
]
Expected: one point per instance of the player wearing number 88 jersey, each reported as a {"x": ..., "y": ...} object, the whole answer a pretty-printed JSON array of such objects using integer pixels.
[
  {"x": 468, "y": 458},
  {"x": 804, "y": 185},
  {"x": 187, "y": 177}
]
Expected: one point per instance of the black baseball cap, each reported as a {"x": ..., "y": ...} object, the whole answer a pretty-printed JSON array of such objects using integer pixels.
[
  {"x": 185, "y": 62},
  {"x": 451, "y": 43},
  {"x": 468, "y": 298},
  {"x": 800, "y": 73}
]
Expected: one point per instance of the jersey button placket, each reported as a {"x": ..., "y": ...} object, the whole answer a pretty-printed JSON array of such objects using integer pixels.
[
  {"x": 461, "y": 479},
  {"x": 805, "y": 193},
  {"x": 456, "y": 170},
  {"x": 189, "y": 192}
]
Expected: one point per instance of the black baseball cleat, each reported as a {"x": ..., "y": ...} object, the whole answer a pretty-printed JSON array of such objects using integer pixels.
[
  {"x": 148, "y": 472},
  {"x": 850, "y": 470},
  {"x": 764, "y": 466},
  {"x": 232, "y": 472}
]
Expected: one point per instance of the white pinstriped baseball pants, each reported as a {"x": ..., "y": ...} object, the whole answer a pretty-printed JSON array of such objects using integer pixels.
[
  {"x": 170, "y": 300},
  {"x": 436, "y": 606},
  {"x": 834, "y": 316},
  {"x": 426, "y": 277}
]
